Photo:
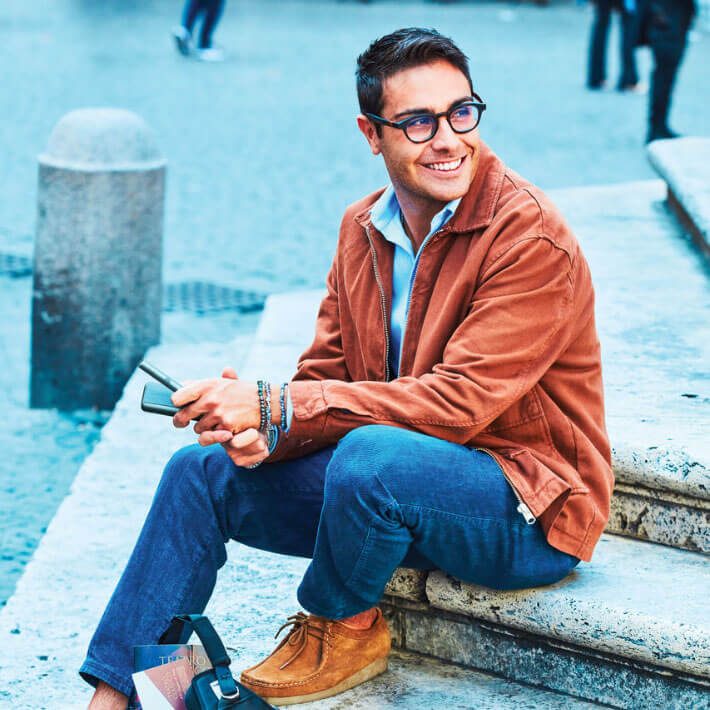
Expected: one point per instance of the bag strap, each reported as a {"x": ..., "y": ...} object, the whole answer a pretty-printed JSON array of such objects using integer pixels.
[{"x": 179, "y": 631}]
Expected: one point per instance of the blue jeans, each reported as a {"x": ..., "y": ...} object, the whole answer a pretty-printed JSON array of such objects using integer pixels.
[{"x": 384, "y": 497}]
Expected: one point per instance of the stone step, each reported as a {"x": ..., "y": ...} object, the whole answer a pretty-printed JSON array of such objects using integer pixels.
[
  {"x": 631, "y": 629},
  {"x": 652, "y": 304},
  {"x": 684, "y": 165}
]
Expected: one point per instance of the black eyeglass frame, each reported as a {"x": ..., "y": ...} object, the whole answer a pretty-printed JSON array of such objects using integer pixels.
[{"x": 402, "y": 125}]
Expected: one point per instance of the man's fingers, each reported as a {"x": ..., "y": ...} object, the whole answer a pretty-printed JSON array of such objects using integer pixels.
[
  {"x": 190, "y": 392},
  {"x": 245, "y": 438},
  {"x": 241, "y": 459},
  {"x": 230, "y": 373},
  {"x": 218, "y": 436},
  {"x": 208, "y": 422}
]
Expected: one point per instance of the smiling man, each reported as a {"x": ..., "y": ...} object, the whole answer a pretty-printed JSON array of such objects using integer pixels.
[{"x": 448, "y": 414}]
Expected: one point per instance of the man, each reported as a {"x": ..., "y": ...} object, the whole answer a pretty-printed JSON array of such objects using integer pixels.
[
  {"x": 448, "y": 414},
  {"x": 206, "y": 51},
  {"x": 596, "y": 69},
  {"x": 664, "y": 26}
]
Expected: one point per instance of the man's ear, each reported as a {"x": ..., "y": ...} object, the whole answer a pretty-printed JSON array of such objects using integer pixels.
[{"x": 369, "y": 131}]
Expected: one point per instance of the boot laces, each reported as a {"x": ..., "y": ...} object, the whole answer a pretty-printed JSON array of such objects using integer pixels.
[{"x": 301, "y": 629}]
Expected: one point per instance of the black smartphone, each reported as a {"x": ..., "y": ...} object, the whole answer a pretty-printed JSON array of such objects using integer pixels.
[
  {"x": 156, "y": 395},
  {"x": 156, "y": 399}
]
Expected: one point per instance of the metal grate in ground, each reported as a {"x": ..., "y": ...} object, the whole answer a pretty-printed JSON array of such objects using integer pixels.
[
  {"x": 204, "y": 297},
  {"x": 199, "y": 297}
]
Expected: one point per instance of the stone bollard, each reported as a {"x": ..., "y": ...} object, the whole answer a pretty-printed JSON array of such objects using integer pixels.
[{"x": 97, "y": 294}]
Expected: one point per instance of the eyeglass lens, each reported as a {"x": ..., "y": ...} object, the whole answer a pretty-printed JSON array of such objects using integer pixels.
[{"x": 461, "y": 119}]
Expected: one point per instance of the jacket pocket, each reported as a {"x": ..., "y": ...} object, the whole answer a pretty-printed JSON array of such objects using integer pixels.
[
  {"x": 523, "y": 411},
  {"x": 538, "y": 484}
]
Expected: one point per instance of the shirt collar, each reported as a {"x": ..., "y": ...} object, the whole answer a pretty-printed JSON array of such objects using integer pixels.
[{"x": 385, "y": 216}]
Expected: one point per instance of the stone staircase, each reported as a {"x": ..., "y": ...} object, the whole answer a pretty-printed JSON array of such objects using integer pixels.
[
  {"x": 629, "y": 630},
  {"x": 632, "y": 629}
]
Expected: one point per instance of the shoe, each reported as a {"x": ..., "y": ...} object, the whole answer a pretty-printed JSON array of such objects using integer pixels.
[
  {"x": 640, "y": 88},
  {"x": 659, "y": 134},
  {"x": 183, "y": 40},
  {"x": 598, "y": 85},
  {"x": 210, "y": 54},
  {"x": 319, "y": 658}
]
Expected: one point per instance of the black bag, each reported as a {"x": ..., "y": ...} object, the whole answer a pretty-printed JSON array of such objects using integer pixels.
[{"x": 213, "y": 689}]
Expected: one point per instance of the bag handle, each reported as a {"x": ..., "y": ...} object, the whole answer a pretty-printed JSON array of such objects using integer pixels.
[{"x": 179, "y": 631}]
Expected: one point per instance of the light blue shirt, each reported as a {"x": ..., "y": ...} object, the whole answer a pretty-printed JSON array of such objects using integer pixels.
[{"x": 386, "y": 217}]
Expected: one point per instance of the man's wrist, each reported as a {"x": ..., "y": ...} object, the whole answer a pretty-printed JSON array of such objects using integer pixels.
[{"x": 276, "y": 405}]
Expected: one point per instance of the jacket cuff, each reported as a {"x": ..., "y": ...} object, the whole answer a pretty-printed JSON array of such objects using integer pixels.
[{"x": 308, "y": 407}]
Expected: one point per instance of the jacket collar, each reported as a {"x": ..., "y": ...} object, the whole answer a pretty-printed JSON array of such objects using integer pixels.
[{"x": 477, "y": 207}]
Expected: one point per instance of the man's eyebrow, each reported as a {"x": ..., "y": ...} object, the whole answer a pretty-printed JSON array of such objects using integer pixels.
[{"x": 410, "y": 111}]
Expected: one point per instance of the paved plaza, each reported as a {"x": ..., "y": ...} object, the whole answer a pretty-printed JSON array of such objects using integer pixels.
[
  {"x": 263, "y": 155},
  {"x": 263, "y": 151}
]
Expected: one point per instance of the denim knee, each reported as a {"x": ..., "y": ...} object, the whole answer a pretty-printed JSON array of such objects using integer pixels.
[{"x": 187, "y": 475}]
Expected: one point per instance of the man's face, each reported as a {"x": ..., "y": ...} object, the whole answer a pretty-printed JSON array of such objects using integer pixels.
[{"x": 442, "y": 169}]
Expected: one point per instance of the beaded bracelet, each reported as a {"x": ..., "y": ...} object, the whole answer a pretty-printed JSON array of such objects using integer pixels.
[
  {"x": 282, "y": 400},
  {"x": 262, "y": 404},
  {"x": 267, "y": 402}
]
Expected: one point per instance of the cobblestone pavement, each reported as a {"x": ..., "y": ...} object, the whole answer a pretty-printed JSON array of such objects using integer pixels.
[{"x": 264, "y": 154}]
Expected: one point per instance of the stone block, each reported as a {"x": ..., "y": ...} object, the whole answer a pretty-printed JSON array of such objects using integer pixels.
[
  {"x": 98, "y": 258},
  {"x": 535, "y": 660},
  {"x": 684, "y": 164},
  {"x": 607, "y": 607},
  {"x": 408, "y": 584}
]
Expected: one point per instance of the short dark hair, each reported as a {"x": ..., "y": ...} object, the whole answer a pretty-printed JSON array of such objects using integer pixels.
[{"x": 403, "y": 49}]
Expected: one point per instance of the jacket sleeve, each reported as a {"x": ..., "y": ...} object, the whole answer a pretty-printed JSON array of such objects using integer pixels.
[{"x": 518, "y": 323}]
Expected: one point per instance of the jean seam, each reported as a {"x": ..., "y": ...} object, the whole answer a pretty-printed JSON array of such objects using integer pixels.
[
  {"x": 363, "y": 549},
  {"x": 477, "y": 518}
]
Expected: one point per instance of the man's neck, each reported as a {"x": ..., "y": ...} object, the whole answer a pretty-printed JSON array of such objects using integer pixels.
[{"x": 417, "y": 217}]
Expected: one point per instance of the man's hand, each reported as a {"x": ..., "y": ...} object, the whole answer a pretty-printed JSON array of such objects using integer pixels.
[
  {"x": 245, "y": 448},
  {"x": 225, "y": 403}
]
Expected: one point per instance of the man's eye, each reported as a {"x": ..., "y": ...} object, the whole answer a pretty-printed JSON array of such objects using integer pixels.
[
  {"x": 463, "y": 112},
  {"x": 419, "y": 122}
]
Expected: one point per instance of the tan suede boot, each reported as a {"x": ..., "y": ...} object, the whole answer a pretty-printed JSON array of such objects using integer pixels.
[{"x": 319, "y": 658}]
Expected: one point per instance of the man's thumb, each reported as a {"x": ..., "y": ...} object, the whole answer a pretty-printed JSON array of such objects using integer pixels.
[{"x": 230, "y": 373}]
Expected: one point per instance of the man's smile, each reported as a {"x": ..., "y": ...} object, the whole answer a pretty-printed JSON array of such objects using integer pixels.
[{"x": 449, "y": 166}]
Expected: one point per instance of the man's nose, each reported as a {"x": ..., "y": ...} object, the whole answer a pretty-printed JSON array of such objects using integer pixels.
[{"x": 445, "y": 137}]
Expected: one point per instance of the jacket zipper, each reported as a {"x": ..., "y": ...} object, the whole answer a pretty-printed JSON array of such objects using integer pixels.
[
  {"x": 522, "y": 507},
  {"x": 383, "y": 301}
]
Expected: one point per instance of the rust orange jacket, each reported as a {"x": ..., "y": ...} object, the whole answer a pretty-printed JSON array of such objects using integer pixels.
[{"x": 500, "y": 351}]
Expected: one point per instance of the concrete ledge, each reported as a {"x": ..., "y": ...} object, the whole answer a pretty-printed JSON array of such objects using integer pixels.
[
  {"x": 540, "y": 661},
  {"x": 663, "y": 496},
  {"x": 604, "y": 607},
  {"x": 684, "y": 164}
]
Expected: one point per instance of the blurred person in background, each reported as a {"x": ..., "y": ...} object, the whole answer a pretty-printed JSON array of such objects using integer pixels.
[
  {"x": 596, "y": 78},
  {"x": 664, "y": 27},
  {"x": 210, "y": 10}
]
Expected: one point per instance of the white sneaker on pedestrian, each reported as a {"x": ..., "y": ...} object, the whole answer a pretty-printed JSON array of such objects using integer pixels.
[
  {"x": 640, "y": 88},
  {"x": 210, "y": 54},
  {"x": 183, "y": 40}
]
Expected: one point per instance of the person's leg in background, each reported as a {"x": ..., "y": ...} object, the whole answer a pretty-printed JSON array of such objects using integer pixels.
[
  {"x": 629, "y": 79},
  {"x": 213, "y": 11},
  {"x": 182, "y": 34},
  {"x": 668, "y": 30},
  {"x": 203, "y": 500},
  {"x": 596, "y": 76}
]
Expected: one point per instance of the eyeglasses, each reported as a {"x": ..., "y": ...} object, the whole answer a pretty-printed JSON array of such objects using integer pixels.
[{"x": 422, "y": 127}]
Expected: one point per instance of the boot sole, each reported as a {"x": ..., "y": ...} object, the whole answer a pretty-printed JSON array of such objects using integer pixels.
[{"x": 366, "y": 673}]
